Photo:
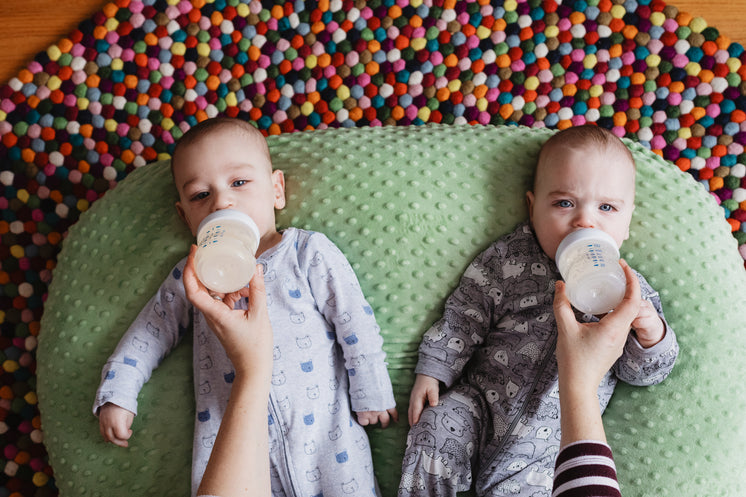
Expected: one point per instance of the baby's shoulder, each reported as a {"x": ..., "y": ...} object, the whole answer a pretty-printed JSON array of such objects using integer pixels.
[
  {"x": 309, "y": 242},
  {"x": 521, "y": 242},
  {"x": 175, "y": 275}
]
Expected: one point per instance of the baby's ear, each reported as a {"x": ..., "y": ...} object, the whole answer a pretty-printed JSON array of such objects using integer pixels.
[
  {"x": 530, "y": 203},
  {"x": 182, "y": 215},
  {"x": 278, "y": 183}
]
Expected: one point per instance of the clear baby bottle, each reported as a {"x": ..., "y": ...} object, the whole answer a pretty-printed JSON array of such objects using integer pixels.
[
  {"x": 227, "y": 241},
  {"x": 588, "y": 260}
]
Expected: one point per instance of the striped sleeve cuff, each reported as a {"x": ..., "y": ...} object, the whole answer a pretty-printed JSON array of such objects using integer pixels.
[{"x": 585, "y": 468}]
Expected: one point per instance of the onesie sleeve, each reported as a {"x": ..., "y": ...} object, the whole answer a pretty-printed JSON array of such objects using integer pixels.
[
  {"x": 467, "y": 319},
  {"x": 340, "y": 300},
  {"x": 152, "y": 335},
  {"x": 643, "y": 367}
]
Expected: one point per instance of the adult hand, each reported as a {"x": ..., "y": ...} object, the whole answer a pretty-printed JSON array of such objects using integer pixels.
[
  {"x": 585, "y": 353},
  {"x": 238, "y": 464},
  {"x": 246, "y": 335}
]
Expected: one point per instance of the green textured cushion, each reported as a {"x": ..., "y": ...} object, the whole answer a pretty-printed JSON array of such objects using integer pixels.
[{"x": 410, "y": 207}]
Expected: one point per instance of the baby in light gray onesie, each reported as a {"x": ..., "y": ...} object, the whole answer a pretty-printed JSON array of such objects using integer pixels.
[{"x": 328, "y": 356}]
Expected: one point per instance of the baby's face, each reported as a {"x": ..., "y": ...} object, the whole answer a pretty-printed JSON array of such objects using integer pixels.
[
  {"x": 584, "y": 188},
  {"x": 228, "y": 169}
]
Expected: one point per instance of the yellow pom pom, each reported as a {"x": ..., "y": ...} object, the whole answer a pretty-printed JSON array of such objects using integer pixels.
[{"x": 698, "y": 24}]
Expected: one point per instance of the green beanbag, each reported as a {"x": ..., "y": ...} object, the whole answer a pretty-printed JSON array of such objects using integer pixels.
[{"x": 410, "y": 207}]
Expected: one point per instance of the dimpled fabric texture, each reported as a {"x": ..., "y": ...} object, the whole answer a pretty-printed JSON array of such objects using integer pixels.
[
  {"x": 410, "y": 207},
  {"x": 129, "y": 81}
]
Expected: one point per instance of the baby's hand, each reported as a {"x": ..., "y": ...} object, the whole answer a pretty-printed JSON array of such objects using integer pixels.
[
  {"x": 648, "y": 325},
  {"x": 366, "y": 418},
  {"x": 115, "y": 422},
  {"x": 425, "y": 389}
]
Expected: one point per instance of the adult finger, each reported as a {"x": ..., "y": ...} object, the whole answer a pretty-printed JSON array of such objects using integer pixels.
[
  {"x": 627, "y": 311},
  {"x": 230, "y": 299},
  {"x": 563, "y": 312},
  {"x": 196, "y": 292},
  {"x": 257, "y": 292}
]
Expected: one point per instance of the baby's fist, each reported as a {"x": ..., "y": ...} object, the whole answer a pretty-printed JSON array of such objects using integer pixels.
[
  {"x": 648, "y": 325},
  {"x": 114, "y": 423},
  {"x": 366, "y": 418}
]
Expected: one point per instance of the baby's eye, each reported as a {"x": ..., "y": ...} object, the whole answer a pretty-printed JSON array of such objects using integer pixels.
[
  {"x": 239, "y": 182},
  {"x": 606, "y": 207},
  {"x": 199, "y": 196},
  {"x": 564, "y": 203}
]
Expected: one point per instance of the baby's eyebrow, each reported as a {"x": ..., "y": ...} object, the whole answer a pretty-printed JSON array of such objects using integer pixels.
[
  {"x": 189, "y": 183},
  {"x": 560, "y": 193},
  {"x": 616, "y": 200},
  {"x": 242, "y": 169}
]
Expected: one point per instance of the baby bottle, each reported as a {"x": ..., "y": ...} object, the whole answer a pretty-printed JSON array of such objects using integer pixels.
[
  {"x": 227, "y": 241},
  {"x": 588, "y": 260}
]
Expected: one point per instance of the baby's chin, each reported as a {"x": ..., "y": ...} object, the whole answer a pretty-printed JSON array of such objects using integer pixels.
[{"x": 550, "y": 250}]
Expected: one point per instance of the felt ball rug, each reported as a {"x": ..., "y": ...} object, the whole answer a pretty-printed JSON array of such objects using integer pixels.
[{"x": 123, "y": 87}]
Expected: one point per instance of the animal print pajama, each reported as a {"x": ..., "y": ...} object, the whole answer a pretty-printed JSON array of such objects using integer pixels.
[
  {"x": 496, "y": 427},
  {"x": 328, "y": 362}
]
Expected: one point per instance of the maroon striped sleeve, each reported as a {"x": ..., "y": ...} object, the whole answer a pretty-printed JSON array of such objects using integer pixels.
[{"x": 585, "y": 468}]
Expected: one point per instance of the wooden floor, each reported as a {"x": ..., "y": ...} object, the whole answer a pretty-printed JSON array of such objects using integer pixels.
[{"x": 30, "y": 26}]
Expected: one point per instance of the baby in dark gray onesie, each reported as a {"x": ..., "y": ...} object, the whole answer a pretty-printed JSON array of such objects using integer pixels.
[{"x": 495, "y": 427}]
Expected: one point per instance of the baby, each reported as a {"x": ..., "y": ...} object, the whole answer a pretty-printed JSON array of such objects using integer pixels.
[
  {"x": 495, "y": 427},
  {"x": 328, "y": 356}
]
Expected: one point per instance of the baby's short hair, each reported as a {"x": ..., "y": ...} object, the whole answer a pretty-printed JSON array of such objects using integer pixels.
[
  {"x": 586, "y": 135},
  {"x": 578, "y": 137},
  {"x": 209, "y": 126}
]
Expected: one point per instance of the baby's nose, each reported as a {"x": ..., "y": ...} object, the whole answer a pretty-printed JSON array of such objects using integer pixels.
[
  {"x": 222, "y": 201},
  {"x": 584, "y": 220}
]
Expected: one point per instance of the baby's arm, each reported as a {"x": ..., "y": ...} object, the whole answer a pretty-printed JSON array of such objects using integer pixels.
[
  {"x": 650, "y": 352},
  {"x": 339, "y": 298},
  {"x": 425, "y": 389},
  {"x": 153, "y": 334},
  {"x": 469, "y": 314},
  {"x": 648, "y": 325},
  {"x": 114, "y": 423}
]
